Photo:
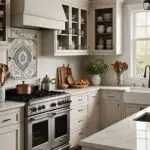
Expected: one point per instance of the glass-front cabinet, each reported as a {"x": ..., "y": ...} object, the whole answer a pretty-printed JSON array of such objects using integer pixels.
[
  {"x": 3, "y": 11},
  {"x": 106, "y": 34},
  {"x": 73, "y": 40}
]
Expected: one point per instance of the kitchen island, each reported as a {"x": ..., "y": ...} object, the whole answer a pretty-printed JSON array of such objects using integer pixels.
[{"x": 127, "y": 134}]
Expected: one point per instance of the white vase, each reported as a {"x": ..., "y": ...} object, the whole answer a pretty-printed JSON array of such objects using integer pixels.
[
  {"x": 96, "y": 79},
  {"x": 2, "y": 94}
]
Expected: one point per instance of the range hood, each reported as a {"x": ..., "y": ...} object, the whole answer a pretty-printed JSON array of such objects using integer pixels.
[{"x": 38, "y": 13}]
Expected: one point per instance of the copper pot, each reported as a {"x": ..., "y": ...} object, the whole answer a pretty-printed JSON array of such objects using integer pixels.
[{"x": 24, "y": 88}]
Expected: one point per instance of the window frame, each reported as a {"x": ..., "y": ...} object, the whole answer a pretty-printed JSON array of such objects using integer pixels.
[{"x": 133, "y": 41}]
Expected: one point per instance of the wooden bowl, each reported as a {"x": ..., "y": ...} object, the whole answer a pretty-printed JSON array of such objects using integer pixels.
[{"x": 64, "y": 86}]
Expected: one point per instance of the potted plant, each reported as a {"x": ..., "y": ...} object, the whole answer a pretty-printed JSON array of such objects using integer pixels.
[{"x": 96, "y": 68}]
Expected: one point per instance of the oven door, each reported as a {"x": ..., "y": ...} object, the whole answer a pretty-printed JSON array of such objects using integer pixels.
[
  {"x": 61, "y": 127},
  {"x": 38, "y": 132}
]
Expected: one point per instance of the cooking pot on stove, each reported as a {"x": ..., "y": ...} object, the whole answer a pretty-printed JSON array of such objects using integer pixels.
[{"x": 24, "y": 88}]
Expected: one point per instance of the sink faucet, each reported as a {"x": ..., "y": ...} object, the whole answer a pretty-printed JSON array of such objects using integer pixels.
[{"x": 148, "y": 66}]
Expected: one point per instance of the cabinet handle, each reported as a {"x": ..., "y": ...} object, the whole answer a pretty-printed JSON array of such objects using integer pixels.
[
  {"x": 80, "y": 110},
  {"x": 111, "y": 96},
  {"x": 6, "y": 120},
  {"x": 80, "y": 121},
  {"x": 80, "y": 133},
  {"x": 80, "y": 100},
  {"x": 118, "y": 105}
]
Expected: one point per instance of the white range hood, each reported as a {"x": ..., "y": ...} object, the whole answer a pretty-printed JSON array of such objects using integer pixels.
[{"x": 38, "y": 13}]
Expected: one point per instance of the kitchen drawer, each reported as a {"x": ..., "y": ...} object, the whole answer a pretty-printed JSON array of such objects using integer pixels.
[
  {"x": 78, "y": 123},
  {"x": 76, "y": 136},
  {"x": 9, "y": 117},
  {"x": 111, "y": 95},
  {"x": 79, "y": 100},
  {"x": 78, "y": 112}
]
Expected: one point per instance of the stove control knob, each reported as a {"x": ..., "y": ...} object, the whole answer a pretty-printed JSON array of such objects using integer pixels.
[
  {"x": 69, "y": 101},
  {"x": 39, "y": 108},
  {"x": 53, "y": 104},
  {"x": 59, "y": 103},
  {"x": 34, "y": 109},
  {"x": 43, "y": 106},
  {"x": 63, "y": 102}
]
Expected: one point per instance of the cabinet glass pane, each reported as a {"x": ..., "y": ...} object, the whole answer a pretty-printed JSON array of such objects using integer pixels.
[
  {"x": 3, "y": 20},
  {"x": 104, "y": 29},
  {"x": 75, "y": 29},
  {"x": 83, "y": 32},
  {"x": 63, "y": 35}
]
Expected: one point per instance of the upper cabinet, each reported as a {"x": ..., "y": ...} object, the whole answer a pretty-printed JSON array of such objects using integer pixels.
[
  {"x": 3, "y": 22},
  {"x": 72, "y": 40},
  {"x": 106, "y": 27}
]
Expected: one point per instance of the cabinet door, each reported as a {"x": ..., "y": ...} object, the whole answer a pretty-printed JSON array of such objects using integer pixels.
[
  {"x": 132, "y": 109},
  {"x": 111, "y": 113},
  {"x": 93, "y": 113},
  {"x": 10, "y": 138}
]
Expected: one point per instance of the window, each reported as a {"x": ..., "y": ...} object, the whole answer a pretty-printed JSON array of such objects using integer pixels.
[{"x": 141, "y": 42}]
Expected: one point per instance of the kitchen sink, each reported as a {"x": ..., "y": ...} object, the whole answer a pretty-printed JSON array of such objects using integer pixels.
[{"x": 143, "y": 118}]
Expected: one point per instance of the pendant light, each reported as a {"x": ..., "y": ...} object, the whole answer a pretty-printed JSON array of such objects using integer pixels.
[{"x": 146, "y": 4}]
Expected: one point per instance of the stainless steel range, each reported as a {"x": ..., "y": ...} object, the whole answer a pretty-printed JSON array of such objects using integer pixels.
[{"x": 47, "y": 119}]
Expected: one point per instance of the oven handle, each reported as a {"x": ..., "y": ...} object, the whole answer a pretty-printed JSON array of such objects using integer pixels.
[
  {"x": 59, "y": 112},
  {"x": 39, "y": 118}
]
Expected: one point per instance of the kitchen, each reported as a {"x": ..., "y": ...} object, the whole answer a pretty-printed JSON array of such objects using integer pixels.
[{"x": 36, "y": 40}]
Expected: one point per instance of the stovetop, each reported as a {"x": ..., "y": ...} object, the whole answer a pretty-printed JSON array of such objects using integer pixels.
[{"x": 36, "y": 95}]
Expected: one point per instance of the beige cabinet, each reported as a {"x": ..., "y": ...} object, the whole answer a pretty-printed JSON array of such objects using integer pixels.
[
  {"x": 78, "y": 118},
  {"x": 73, "y": 40},
  {"x": 93, "y": 112},
  {"x": 111, "y": 107},
  {"x": 131, "y": 109},
  {"x": 10, "y": 138},
  {"x": 84, "y": 116},
  {"x": 12, "y": 130},
  {"x": 106, "y": 24},
  {"x": 111, "y": 113}
]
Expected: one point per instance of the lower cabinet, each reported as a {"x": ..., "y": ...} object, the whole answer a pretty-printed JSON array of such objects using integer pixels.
[
  {"x": 111, "y": 113},
  {"x": 111, "y": 107},
  {"x": 84, "y": 116},
  {"x": 12, "y": 130},
  {"x": 10, "y": 138},
  {"x": 131, "y": 109},
  {"x": 93, "y": 112}
]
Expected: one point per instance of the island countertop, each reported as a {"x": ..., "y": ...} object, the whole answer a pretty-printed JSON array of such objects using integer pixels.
[{"x": 127, "y": 134}]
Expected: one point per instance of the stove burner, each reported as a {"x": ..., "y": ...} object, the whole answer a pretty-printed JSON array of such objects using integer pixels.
[{"x": 12, "y": 95}]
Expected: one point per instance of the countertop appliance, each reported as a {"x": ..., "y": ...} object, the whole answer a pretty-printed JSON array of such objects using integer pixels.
[{"x": 47, "y": 119}]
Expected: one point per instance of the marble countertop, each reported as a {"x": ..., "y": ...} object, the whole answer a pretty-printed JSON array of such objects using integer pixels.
[
  {"x": 124, "y": 135},
  {"x": 94, "y": 88},
  {"x": 10, "y": 105}
]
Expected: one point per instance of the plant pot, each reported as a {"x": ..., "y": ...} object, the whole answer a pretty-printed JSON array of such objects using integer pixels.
[
  {"x": 96, "y": 79},
  {"x": 2, "y": 94}
]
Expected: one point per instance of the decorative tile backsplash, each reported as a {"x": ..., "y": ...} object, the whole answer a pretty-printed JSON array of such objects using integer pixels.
[{"x": 22, "y": 54}]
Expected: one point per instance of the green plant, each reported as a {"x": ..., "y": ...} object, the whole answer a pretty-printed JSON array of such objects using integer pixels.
[{"x": 96, "y": 67}]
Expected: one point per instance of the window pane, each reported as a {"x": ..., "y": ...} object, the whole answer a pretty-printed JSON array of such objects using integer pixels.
[
  {"x": 148, "y": 47},
  {"x": 140, "y": 64},
  {"x": 141, "y": 47},
  {"x": 148, "y": 18},
  {"x": 141, "y": 19},
  {"x": 148, "y": 31},
  {"x": 140, "y": 32}
]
